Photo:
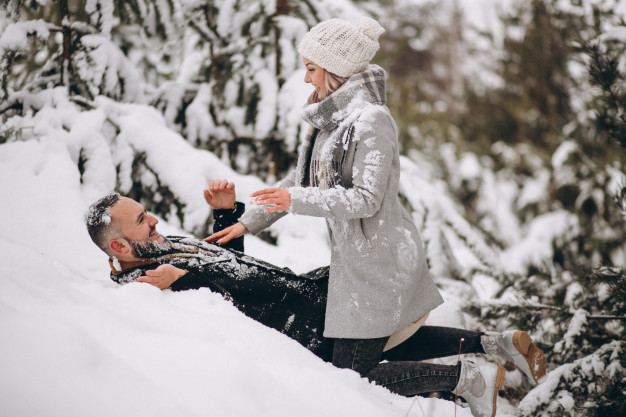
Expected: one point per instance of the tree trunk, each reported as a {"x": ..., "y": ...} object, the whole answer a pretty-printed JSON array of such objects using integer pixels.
[{"x": 65, "y": 24}]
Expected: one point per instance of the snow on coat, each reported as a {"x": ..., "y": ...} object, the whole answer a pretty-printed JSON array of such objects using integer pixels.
[{"x": 379, "y": 279}]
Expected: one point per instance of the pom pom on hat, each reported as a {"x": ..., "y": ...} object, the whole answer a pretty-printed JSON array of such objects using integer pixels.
[
  {"x": 341, "y": 47},
  {"x": 369, "y": 27}
]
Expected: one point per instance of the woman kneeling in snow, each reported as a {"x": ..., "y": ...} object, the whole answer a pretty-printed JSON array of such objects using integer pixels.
[{"x": 379, "y": 288}]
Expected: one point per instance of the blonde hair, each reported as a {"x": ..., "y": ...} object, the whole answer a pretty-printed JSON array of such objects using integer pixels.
[{"x": 332, "y": 82}]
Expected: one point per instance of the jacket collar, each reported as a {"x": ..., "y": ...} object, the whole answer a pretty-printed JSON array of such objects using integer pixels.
[
  {"x": 367, "y": 87},
  {"x": 182, "y": 251},
  {"x": 117, "y": 266}
]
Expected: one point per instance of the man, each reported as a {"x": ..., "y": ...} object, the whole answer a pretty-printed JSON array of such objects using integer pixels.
[
  {"x": 295, "y": 304},
  {"x": 277, "y": 297}
]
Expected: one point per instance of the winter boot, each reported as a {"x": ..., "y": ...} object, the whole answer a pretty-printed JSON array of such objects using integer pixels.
[
  {"x": 479, "y": 386},
  {"x": 516, "y": 346}
]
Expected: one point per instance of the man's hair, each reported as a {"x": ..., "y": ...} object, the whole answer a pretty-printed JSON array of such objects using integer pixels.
[{"x": 99, "y": 222}]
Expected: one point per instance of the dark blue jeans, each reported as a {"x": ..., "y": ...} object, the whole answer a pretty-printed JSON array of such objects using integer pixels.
[{"x": 403, "y": 373}]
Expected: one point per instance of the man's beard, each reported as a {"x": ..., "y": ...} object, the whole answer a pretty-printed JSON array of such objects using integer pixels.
[{"x": 150, "y": 249}]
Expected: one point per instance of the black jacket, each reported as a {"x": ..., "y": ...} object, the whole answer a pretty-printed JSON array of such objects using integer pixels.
[{"x": 293, "y": 304}]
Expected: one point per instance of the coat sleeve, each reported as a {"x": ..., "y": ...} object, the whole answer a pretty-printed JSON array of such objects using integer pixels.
[
  {"x": 197, "y": 278},
  {"x": 376, "y": 142},
  {"x": 225, "y": 218},
  {"x": 256, "y": 219},
  {"x": 244, "y": 279}
]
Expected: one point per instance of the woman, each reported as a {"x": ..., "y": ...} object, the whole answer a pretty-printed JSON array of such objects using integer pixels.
[{"x": 380, "y": 289}]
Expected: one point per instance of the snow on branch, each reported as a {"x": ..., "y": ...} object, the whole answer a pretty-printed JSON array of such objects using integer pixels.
[
  {"x": 16, "y": 35},
  {"x": 577, "y": 388}
]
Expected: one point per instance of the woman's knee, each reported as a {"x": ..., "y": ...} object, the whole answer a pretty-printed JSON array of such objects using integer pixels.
[{"x": 360, "y": 355}]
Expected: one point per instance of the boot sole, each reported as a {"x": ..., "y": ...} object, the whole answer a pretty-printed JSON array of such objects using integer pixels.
[
  {"x": 498, "y": 386},
  {"x": 532, "y": 354}
]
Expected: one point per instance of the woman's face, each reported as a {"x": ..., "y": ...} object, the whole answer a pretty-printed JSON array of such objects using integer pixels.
[{"x": 315, "y": 75}]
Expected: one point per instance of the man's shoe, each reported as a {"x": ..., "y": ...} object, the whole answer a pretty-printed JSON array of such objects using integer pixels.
[
  {"x": 479, "y": 386},
  {"x": 517, "y": 346}
]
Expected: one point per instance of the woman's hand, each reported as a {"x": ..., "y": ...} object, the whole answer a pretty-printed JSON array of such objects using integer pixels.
[
  {"x": 280, "y": 197},
  {"x": 163, "y": 276},
  {"x": 220, "y": 194},
  {"x": 227, "y": 234}
]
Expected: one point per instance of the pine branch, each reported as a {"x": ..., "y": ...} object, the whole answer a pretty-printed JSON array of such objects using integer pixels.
[
  {"x": 14, "y": 104},
  {"x": 541, "y": 307},
  {"x": 620, "y": 197},
  {"x": 67, "y": 35},
  {"x": 594, "y": 317},
  {"x": 604, "y": 73}
]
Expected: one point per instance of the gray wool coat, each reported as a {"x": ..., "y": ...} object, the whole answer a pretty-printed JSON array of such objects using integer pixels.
[{"x": 379, "y": 280}]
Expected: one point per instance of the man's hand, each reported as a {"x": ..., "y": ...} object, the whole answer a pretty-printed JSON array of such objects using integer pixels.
[
  {"x": 220, "y": 194},
  {"x": 231, "y": 232},
  {"x": 279, "y": 197},
  {"x": 163, "y": 276}
]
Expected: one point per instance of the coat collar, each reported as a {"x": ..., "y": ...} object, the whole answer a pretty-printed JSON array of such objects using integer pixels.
[
  {"x": 181, "y": 251},
  {"x": 367, "y": 87},
  {"x": 117, "y": 266}
]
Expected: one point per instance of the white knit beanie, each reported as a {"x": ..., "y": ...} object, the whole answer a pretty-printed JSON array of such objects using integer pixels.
[{"x": 341, "y": 47}]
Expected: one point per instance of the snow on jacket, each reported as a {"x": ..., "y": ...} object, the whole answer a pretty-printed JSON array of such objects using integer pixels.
[
  {"x": 277, "y": 297},
  {"x": 379, "y": 280}
]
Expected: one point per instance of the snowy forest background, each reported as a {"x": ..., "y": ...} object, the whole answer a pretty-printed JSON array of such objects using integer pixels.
[{"x": 513, "y": 128}]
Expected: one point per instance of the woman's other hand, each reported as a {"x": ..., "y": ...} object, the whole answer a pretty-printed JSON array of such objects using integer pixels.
[
  {"x": 279, "y": 197},
  {"x": 227, "y": 234}
]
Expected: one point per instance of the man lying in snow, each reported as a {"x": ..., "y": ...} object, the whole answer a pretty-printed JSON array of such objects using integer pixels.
[
  {"x": 274, "y": 296},
  {"x": 295, "y": 304}
]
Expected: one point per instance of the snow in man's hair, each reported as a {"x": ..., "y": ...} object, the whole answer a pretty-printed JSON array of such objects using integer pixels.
[{"x": 98, "y": 220}]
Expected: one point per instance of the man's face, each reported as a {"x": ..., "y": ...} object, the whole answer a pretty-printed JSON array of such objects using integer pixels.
[{"x": 135, "y": 222}]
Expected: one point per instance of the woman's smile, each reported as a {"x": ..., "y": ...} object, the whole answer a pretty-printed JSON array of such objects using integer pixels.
[{"x": 316, "y": 76}]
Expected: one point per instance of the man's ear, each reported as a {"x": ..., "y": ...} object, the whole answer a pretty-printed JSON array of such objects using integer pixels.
[{"x": 119, "y": 246}]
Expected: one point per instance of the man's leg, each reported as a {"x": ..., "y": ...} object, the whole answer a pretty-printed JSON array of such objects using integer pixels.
[{"x": 431, "y": 342}]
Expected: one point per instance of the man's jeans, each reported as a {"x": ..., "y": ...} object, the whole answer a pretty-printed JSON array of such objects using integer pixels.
[{"x": 403, "y": 373}]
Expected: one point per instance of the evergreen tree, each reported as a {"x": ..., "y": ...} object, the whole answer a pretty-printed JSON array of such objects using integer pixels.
[
  {"x": 239, "y": 91},
  {"x": 574, "y": 306},
  {"x": 423, "y": 51},
  {"x": 223, "y": 74},
  {"x": 534, "y": 101},
  {"x": 46, "y": 46}
]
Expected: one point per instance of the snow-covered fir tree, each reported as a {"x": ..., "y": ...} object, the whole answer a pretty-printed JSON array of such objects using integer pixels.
[{"x": 570, "y": 296}]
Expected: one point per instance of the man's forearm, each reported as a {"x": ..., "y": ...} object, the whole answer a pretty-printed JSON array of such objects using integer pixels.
[{"x": 228, "y": 217}]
